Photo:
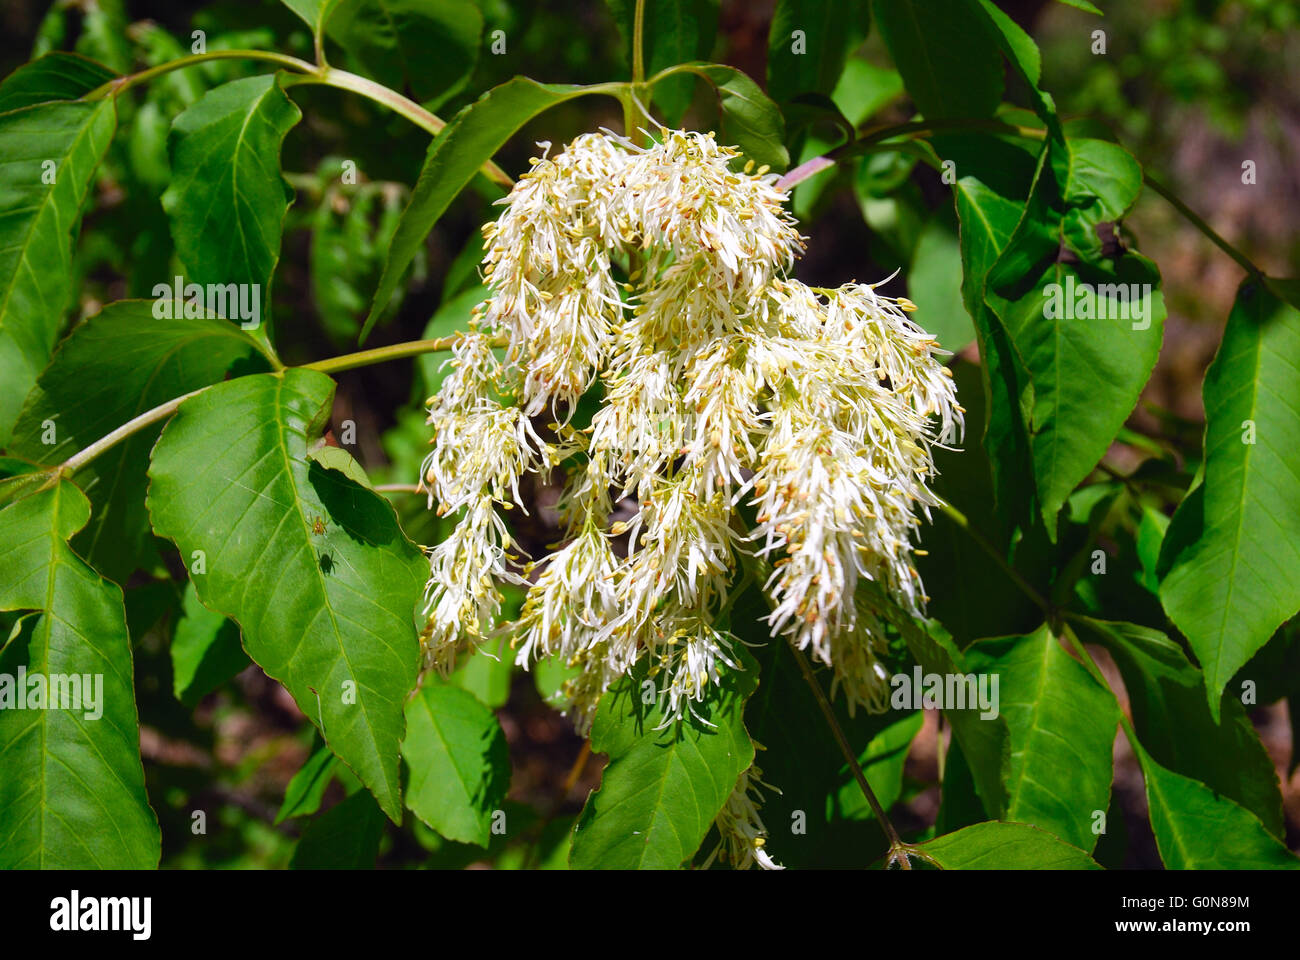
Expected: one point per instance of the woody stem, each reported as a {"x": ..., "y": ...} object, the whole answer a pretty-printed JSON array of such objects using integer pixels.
[{"x": 897, "y": 848}]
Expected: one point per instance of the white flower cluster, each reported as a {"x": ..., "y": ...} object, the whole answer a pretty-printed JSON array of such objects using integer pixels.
[
  {"x": 741, "y": 417},
  {"x": 740, "y": 827}
]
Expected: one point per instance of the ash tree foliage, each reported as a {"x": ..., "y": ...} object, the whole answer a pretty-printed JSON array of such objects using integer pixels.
[{"x": 788, "y": 519}]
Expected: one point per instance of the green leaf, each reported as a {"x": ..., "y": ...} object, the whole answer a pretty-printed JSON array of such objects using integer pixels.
[
  {"x": 1062, "y": 726},
  {"x": 464, "y": 145},
  {"x": 63, "y": 143},
  {"x": 113, "y": 367},
  {"x": 1083, "y": 5},
  {"x": 55, "y": 76},
  {"x": 662, "y": 789},
  {"x": 344, "y": 837},
  {"x": 72, "y": 795},
  {"x": 227, "y": 200},
  {"x": 934, "y": 283},
  {"x": 103, "y": 34},
  {"x": 350, "y": 234},
  {"x": 865, "y": 88},
  {"x": 750, "y": 120},
  {"x": 205, "y": 650},
  {"x": 970, "y": 596},
  {"x": 336, "y": 458},
  {"x": 1149, "y": 538},
  {"x": 457, "y": 762},
  {"x": 1088, "y": 327},
  {"x": 312, "y": 566},
  {"x": 1230, "y": 589},
  {"x": 307, "y": 789},
  {"x": 1167, "y": 699},
  {"x": 1025, "y": 59},
  {"x": 1006, "y": 846},
  {"x": 813, "y": 61},
  {"x": 52, "y": 32},
  {"x": 947, "y": 54},
  {"x": 674, "y": 31},
  {"x": 1199, "y": 829},
  {"x": 989, "y": 202},
  {"x": 428, "y": 46},
  {"x": 314, "y": 13},
  {"x": 550, "y": 674},
  {"x": 1016, "y": 44}
]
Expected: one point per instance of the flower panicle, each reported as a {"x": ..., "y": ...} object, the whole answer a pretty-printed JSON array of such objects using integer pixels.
[{"x": 735, "y": 419}]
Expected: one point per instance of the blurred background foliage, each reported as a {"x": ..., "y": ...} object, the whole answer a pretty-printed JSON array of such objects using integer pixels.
[{"x": 1192, "y": 87}]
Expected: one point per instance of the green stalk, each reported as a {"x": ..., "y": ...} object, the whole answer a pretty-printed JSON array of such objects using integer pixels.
[
  {"x": 638, "y": 43},
  {"x": 396, "y": 351},
  {"x": 1174, "y": 201},
  {"x": 160, "y": 412},
  {"x": 348, "y": 361},
  {"x": 630, "y": 92},
  {"x": 120, "y": 85},
  {"x": 921, "y": 128},
  {"x": 303, "y": 72}
]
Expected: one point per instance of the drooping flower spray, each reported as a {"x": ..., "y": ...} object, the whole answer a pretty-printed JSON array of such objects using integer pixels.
[{"x": 655, "y": 279}]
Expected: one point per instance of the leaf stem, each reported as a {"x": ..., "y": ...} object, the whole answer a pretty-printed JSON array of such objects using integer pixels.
[
  {"x": 163, "y": 410},
  {"x": 638, "y": 42},
  {"x": 422, "y": 118},
  {"x": 629, "y": 115},
  {"x": 396, "y": 351},
  {"x": 160, "y": 412},
  {"x": 318, "y": 42},
  {"x": 879, "y": 134},
  {"x": 120, "y": 85},
  {"x": 1195, "y": 220},
  {"x": 627, "y": 95}
]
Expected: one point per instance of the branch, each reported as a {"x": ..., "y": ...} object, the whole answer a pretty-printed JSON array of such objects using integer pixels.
[
  {"x": 119, "y": 85},
  {"x": 879, "y": 134},
  {"x": 922, "y": 128},
  {"x": 898, "y": 850}
]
